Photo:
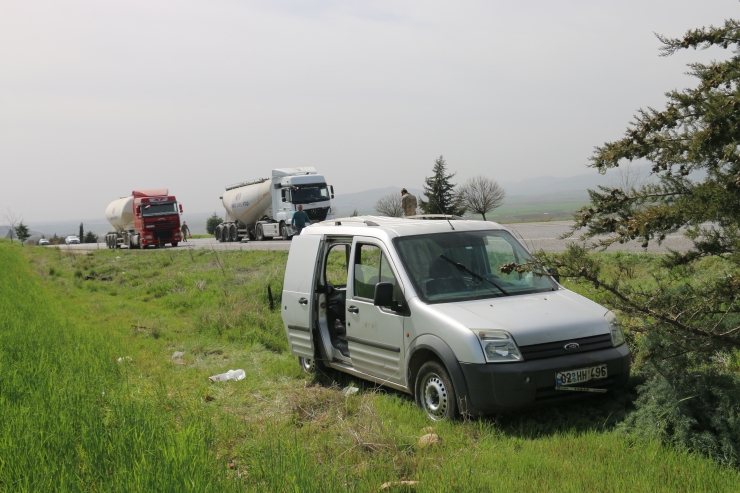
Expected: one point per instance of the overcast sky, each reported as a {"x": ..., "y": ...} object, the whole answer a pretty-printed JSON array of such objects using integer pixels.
[{"x": 99, "y": 98}]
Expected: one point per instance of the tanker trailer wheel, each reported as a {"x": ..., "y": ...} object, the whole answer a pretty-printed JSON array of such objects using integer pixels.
[
  {"x": 217, "y": 233},
  {"x": 226, "y": 234},
  {"x": 284, "y": 231},
  {"x": 234, "y": 236},
  {"x": 258, "y": 233}
]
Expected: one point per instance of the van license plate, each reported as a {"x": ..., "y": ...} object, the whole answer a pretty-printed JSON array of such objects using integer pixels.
[{"x": 573, "y": 377}]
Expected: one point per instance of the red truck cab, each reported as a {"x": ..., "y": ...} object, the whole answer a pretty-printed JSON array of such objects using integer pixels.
[{"x": 157, "y": 217}]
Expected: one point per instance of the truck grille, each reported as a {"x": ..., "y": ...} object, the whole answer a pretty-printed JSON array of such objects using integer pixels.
[
  {"x": 318, "y": 214},
  {"x": 163, "y": 235},
  {"x": 552, "y": 349}
]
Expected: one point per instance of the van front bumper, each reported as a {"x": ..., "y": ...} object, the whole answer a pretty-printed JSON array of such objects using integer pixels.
[{"x": 503, "y": 387}]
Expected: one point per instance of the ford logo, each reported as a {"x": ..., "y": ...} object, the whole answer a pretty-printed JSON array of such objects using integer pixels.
[{"x": 571, "y": 347}]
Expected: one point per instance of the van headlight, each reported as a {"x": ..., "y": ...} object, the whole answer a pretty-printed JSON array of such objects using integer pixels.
[
  {"x": 615, "y": 328},
  {"x": 498, "y": 346}
]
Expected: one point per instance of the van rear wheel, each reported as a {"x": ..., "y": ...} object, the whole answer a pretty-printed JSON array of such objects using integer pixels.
[
  {"x": 307, "y": 365},
  {"x": 434, "y": 392}
]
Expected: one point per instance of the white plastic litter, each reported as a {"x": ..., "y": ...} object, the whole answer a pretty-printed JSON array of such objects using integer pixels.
[
  {"x": 177, "y": 354},
  {"x": 350, "y": 390},
  {"x": 229, "y": 375},
  {"x": 123, "y": 359}
]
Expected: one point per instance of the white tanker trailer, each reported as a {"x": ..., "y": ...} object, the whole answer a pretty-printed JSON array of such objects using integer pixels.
[{"x": 263, "y": 208}]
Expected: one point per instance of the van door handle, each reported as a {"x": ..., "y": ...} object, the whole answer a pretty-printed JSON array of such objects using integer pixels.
[
  {"x": 353, "y": 309},
  {"x": 303, "y": 301}
]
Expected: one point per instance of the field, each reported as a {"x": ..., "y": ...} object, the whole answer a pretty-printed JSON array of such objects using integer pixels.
[{"x": 93, "y": 399}]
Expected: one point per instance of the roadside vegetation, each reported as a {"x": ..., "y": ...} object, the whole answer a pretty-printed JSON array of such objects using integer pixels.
[{"x": 93, "y": 399}]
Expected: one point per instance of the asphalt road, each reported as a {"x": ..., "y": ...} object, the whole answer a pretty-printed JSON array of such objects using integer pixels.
[{"x": 535, "y": 236}]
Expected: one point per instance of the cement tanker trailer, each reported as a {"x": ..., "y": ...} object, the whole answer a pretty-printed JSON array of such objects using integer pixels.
[
  {"x": 263, "y": 208},
  {"x": 146, "y": 218}
]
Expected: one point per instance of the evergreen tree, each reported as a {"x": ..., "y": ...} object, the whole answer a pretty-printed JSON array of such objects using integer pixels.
[
  {"x": 82, "y": 233},
  {"x": 212, "y": 223},
  {"x": 90, "y": 237},
  {"x": 22, "y": 232},
  {"x": 440, "y": 192},
  {"x": 693, "y": 145}
]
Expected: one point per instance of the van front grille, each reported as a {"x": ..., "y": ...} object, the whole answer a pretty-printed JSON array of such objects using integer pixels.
[{"x": 553, "y": 349}]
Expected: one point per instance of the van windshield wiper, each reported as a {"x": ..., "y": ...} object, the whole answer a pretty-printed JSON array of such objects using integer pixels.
[{"x": 475, "y": 276}]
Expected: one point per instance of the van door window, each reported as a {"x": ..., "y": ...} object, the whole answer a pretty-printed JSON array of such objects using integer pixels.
[
  {"x": 372, "y": 267},
  {"x": 337, "y": 265}
]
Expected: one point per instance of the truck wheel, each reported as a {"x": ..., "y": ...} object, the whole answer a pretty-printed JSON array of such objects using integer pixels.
[
  {"x": 219, "y": 233},
  {"x": 234, "y": 233},
  {"x": 174, "y": 243},
  {"x": 283, "y": 230},
  {"x": 434, "y": 392},
  {"x": 258, "y": 233}
]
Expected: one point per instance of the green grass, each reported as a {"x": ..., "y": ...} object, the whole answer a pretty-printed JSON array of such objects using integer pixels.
[
  {"x": 277, "y": 430},
  {"x": 70, "y": 421}
]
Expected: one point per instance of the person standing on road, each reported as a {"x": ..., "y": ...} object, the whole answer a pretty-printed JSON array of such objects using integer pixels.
[
  {"x": 185, "y": 231},
  {"x": 408, "y": 203},
  {"x": 300, "y": 220}
]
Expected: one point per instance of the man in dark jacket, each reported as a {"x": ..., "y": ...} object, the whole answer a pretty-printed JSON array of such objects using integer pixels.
[{"x": 300, "y": 220}]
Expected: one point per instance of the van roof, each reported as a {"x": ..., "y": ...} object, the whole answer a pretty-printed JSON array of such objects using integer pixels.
[{"x": 395, "y": 226}]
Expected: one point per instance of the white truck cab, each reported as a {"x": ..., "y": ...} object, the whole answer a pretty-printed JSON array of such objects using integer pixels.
[{"x": 424, "y": 307}]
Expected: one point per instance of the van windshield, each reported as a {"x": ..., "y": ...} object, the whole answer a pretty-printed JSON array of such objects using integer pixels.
[{"x": 466, "y": 265}]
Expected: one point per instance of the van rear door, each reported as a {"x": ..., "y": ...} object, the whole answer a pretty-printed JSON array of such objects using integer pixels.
[{"x": 298, "y": 293}]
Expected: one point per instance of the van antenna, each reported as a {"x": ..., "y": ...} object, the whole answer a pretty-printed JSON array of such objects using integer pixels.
[{"x": 445, "y": 216}]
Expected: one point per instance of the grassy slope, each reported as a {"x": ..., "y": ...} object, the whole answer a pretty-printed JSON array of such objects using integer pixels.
[
  {"x": 69, "y": 422},
  {"x": 279, "y": 430}
]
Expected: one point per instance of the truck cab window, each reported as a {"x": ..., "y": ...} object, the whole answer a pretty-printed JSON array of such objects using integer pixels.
[{"x": 371, "y": 267}]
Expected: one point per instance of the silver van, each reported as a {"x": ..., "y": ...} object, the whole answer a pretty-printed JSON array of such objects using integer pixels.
[{"x": 423, "y": 307}]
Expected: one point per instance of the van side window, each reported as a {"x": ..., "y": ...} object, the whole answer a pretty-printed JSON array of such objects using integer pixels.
[
  {"x": 371, "y": 267},
  {"x": 337, "y": 265}
]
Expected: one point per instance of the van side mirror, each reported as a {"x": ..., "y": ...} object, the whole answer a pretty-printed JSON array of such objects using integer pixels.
[{"x": 383, "y": 294}]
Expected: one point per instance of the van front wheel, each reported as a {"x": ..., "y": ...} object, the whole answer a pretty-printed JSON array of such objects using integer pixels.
[{"x": 434, "y": 392}]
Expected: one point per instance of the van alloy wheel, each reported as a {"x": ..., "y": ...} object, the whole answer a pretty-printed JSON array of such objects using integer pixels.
[{"x": 434, "y": 392}]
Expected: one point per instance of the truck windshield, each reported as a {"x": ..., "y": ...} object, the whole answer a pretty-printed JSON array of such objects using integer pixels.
[
  {"x": 466, "y": 265},
  {"x": 304, "y": 194},
  {"x": 158, "y": 209}
]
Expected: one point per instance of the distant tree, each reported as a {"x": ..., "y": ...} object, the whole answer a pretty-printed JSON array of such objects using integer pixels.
[
  {"x": 354, "y": 213},
  {"x": 82, "y": 233},
  {"x": 12, "y": 220},
  {"x": 212, "y": 223},
  {"x": 440, "y": 192},
  {"x": 389, "y": 205},
  {"x": 55, "y": 240},
  {"x": 21, "y": 231},
  {"x": 90, "y": 237},
  {"x": 481, "y": 195}
]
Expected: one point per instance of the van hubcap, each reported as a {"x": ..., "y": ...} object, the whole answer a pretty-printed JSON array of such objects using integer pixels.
[
  {"x": 307, "y": 364},
  {"x": 435, "y": 397}
]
